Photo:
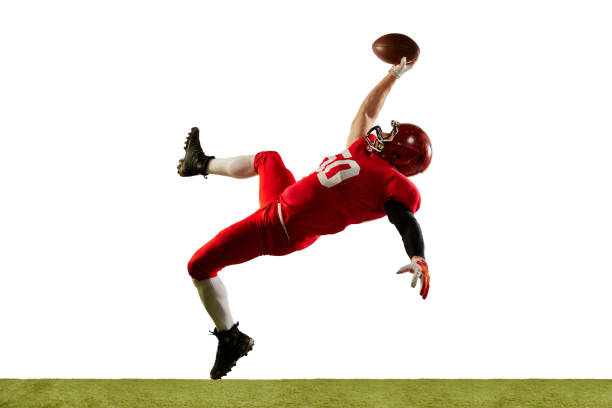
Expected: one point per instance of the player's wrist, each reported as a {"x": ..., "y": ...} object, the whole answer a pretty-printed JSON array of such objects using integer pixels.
[
  {"x": 393, "y": 74},
  {"x": 417, "y": 258}
]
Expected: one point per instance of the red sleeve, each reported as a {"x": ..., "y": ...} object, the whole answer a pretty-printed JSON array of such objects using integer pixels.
[{"x": 402, "y": 190}]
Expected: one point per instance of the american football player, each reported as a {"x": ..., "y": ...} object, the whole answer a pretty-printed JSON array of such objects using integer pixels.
[{"x": 366, "y": 181}]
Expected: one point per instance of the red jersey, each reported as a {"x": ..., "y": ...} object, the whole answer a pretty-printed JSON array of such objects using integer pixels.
[{"x": 348, "y": 188}]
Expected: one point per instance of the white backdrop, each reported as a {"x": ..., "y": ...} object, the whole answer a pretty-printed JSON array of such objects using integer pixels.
[{"x": 97, "y": 98}]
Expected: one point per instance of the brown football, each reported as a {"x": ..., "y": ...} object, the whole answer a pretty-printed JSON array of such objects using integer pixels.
[{"x": 392, "y": 47}]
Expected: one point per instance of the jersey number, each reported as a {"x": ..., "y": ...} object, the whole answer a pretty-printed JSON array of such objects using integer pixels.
[{"x": 329, "y": 178}]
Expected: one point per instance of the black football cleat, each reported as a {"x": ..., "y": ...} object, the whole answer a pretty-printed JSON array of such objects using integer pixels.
[
  {"x": 233, "y": 344},
  {"x": 195, "y": 161}
]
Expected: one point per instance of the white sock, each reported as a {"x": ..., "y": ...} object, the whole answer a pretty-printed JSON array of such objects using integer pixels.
[
  {"x": 236, "y": 167},
  {"x": 214, "y": 298}
]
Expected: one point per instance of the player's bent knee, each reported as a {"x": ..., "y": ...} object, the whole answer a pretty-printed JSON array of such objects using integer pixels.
[
  {"x": 267, "y": 156},
  {"x": 197, "y": 269},
  {"x": 273, "y": 155}
]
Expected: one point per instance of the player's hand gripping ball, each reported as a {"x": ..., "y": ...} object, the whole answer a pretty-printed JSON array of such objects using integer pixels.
[
  {"x": 418, "y": 267},
  {"x": 391, "y": 48},
  {"x": 400, "y": 69}
]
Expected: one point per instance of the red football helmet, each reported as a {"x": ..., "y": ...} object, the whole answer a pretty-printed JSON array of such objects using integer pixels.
[{"x": 407, "y": 147}]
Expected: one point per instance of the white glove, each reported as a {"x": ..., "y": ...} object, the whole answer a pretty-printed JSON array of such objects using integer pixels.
[
  {"x": 420, "y": 271},
  {"x": 400, "y": 69}
]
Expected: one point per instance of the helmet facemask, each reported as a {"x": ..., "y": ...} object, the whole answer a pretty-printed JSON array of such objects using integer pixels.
[{"x": 379, "y": 143}]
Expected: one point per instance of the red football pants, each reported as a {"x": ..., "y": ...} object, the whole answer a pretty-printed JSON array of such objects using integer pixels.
[{"x": 261, "y": 233}]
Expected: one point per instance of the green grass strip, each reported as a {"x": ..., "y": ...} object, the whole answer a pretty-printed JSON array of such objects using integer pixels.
[{"x": 306, "y": 393}]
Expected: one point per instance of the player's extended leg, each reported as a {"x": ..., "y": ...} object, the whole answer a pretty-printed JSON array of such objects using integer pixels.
[{"x": 235, "y": 244}]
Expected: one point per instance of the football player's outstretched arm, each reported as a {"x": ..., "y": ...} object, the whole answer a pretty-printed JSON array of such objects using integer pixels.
[
  {"x": 411, "y": 234},
  {"x": 369, "y": 109},
  {"x": 373, "y": 103}
]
